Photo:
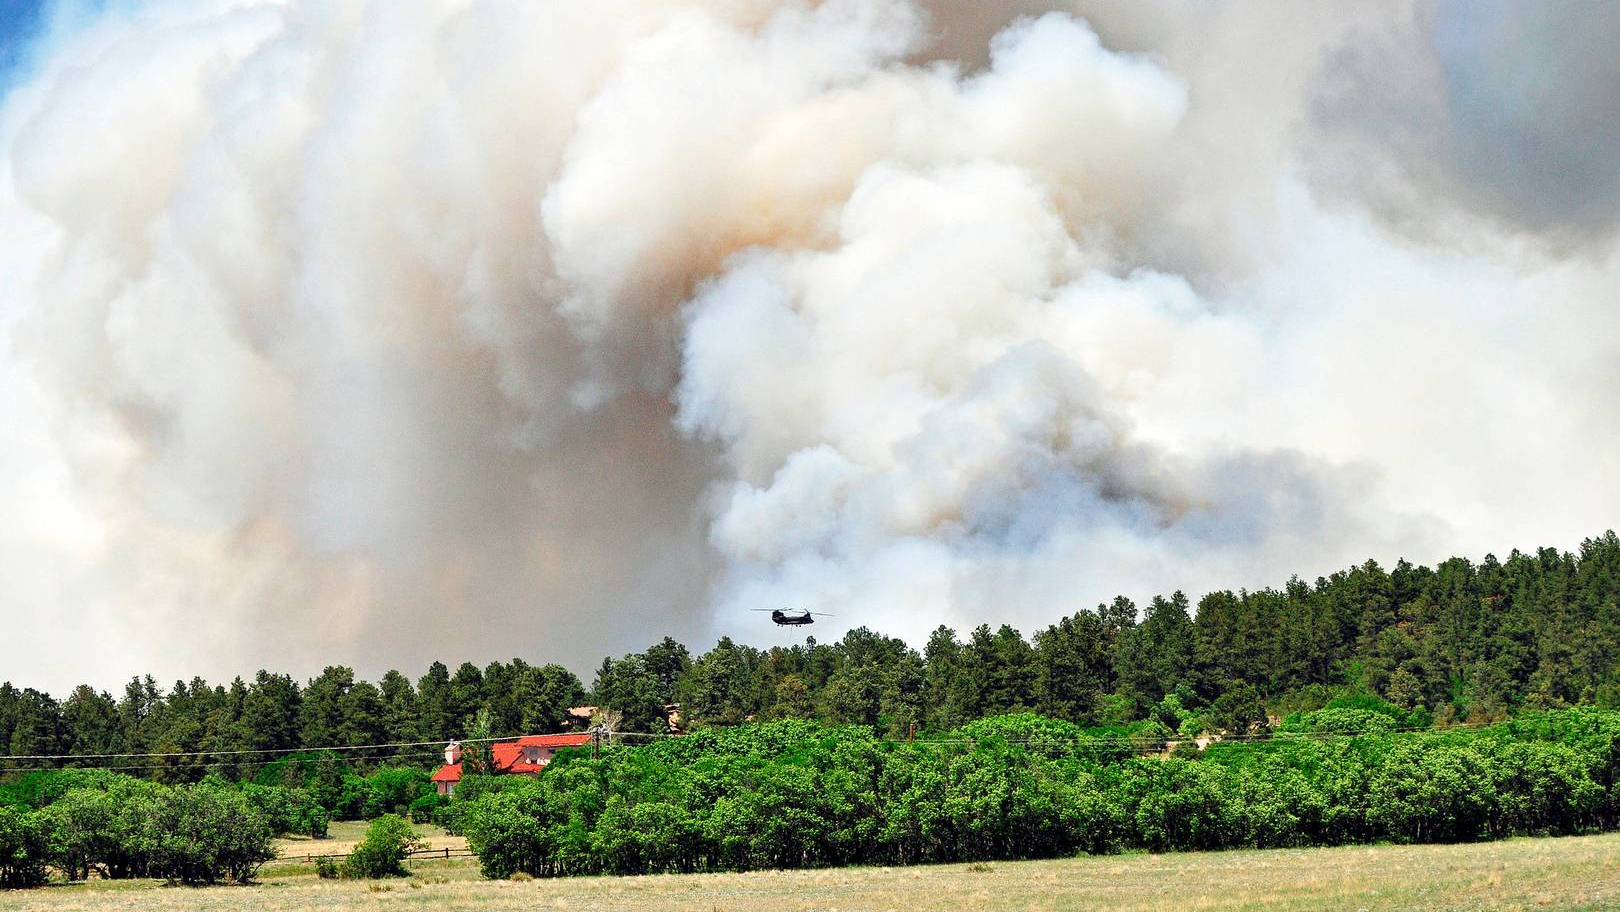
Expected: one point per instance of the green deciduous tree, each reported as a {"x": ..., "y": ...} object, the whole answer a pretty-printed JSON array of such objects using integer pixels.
[{"x": 24, "y": 841}]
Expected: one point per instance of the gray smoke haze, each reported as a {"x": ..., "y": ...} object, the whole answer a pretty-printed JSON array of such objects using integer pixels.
[
  {"x": 1497, "y": 111},
  {"x": 375, "y": 333}
]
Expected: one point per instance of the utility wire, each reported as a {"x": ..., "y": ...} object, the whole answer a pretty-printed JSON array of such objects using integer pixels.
[
  {"x": 212, "y": 764},
  {"x": 1130, "y": 741},
  {"x": 261, "y": 750}
]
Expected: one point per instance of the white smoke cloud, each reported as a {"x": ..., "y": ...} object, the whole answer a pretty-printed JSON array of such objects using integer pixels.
[{"x": 375, "y": 333}]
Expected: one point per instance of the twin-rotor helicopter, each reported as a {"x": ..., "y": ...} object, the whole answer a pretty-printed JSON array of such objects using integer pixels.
[{"x": 793, "y": 617}]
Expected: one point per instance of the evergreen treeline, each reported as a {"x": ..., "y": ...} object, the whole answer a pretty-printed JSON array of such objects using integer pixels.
[
  {"x": 1466, "y": 641},
  {"x": 273, "y": 713},
  {"x": 798, "y": 794},
  {"x": 1463, "y": 641}
]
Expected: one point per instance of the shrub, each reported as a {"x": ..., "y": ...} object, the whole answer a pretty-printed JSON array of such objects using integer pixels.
[
  {"x": 511, "y": 830},
  {"x": 1193, "y": 725},
  {"x": 41, "y": 787},
  {"x": 389, "y": 841},
  {"x": 24, "y": 840},
  {"x": 1150, "y": 735},
  {"x": 351, "y": 797},
  {"x": 393, "y": 790},
  {"x": 325, "y": 868},
  {"x": 1113, "y": 709},
  {"x": 425, "y": 808},
  {"x": 312, "y": 821},
  {"x": 1343, "y": 721},
  {"x": 103, "y": 829},
  {"x": 1050, "y": 738},
  {"x": 451, "y": 816},
  {"x": 651, "y": 836},
  {"x": 1372, "y": 703},
  {"x": 1183, "y": 806},
  {"x": 451, "y": 813},
  {"x": 1541, "y": 788},
  {"x": 1433, "y": 793},
  {"x": 1171, "y": 712},
  {"x": 288, "y": 810},
  {"x": 1186, "y": 750},
  {"x": 204, "y": 833}
]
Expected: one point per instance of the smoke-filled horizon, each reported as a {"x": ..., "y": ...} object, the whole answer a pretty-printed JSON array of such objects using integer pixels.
[{"x": 378, "y": 333}]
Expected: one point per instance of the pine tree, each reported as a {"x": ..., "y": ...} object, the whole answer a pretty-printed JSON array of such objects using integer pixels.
[{"x": 1071, "y": 667}]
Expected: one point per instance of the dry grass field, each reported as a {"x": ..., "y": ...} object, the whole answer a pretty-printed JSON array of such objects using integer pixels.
[
  {"x": 343, "y": 834},
  {"x": 1554, "y": 874}
]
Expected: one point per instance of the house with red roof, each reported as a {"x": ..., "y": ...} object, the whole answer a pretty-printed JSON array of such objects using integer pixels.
[{"x": 523, "y": 756}]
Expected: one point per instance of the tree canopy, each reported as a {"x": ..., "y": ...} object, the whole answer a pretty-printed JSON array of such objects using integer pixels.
[{"x": 1463, "y": 640}]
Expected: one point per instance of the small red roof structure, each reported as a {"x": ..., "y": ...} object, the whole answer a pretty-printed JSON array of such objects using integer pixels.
[{"x": 523, "y": 757}]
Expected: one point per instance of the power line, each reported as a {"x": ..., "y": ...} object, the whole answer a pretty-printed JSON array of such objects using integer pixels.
[
  {"x": 1136, "y": 739},
  {"x": 214, "y": 763},
  {"x": 1077, "y": 740},
  {"x": 254, "y": 751}
]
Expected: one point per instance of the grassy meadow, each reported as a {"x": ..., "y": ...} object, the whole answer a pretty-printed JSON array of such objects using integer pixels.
[
  {"x": 1580, "y": 873},
  {"x": 342, "y": 835}
]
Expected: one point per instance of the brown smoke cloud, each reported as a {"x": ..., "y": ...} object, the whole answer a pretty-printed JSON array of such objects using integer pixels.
[{"x": 376, "y": 333}]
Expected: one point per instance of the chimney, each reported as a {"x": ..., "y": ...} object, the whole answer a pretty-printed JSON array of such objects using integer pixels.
[{"x": 452, "y": 753}]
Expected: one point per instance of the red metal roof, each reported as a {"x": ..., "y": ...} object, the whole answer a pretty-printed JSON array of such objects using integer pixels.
[
  {"x": 572, "y": 739},
  {"x": 510, "y": 758}
]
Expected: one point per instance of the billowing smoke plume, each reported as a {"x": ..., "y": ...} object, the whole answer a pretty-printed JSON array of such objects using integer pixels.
[{"x": 378, "y": 332}]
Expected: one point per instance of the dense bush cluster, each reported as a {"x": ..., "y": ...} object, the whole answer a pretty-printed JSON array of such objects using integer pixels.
[
  {"x": 120, "y": 827},
  {"x": 298, "y": 794},
  {"x": 24, "y": 849},
  {"x": 289, "y": 810},
  {"x": 799, "y": 794},
  {"x": 83, "y": 821},
  {"x": 337, "y": 791}
]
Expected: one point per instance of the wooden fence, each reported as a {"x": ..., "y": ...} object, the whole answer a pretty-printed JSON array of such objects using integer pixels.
[{"x": 422, "y": 854}]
